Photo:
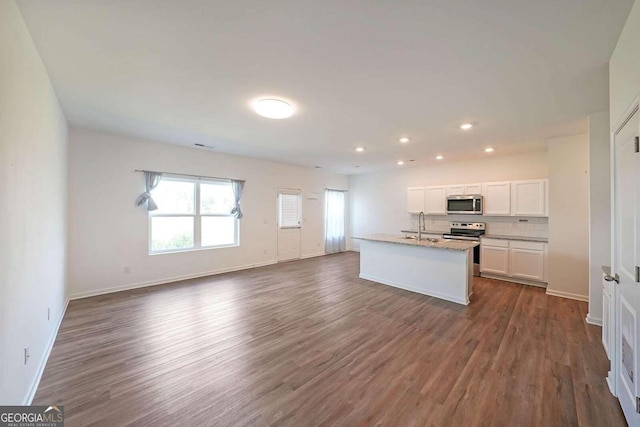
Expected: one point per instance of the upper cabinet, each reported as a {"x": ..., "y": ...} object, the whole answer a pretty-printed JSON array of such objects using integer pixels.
[
  {"x": 473, "y": 189},
  {"x": 529, "y": 198},
  {"x": 497, "y": 198},
  {"x": 510, "y": 198},
  {"x": 455, "y": 190},
  {"x": 415, "y": 199},
  {"x": 436, "y": 200},
  {"x": 464, "y": 189}
]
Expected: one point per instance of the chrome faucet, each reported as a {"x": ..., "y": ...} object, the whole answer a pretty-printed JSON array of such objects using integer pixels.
[{"x": 420, "y": 225}]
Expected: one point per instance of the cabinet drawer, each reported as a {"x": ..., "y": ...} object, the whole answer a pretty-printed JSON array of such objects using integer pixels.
[
  {"x": 533, "y": 246},
  {"x": 495, "y": 242}
]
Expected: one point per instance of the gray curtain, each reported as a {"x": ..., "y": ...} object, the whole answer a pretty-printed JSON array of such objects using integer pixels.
[
  {"x": 237, "y": 187},
  {"x": 151, "y": 181}
]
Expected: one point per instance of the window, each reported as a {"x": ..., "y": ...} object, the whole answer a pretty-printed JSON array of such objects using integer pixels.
[
  {"x": 289, "y": 207},
  {"x": 192, "y": 214},
  {"x": 334, "y": 221}
]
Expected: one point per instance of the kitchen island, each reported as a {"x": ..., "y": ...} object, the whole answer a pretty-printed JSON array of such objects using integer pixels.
[{"x": 441, "y": 268}]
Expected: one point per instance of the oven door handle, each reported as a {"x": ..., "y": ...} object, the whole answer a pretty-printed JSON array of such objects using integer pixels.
[{"x": 452, "y": 237}]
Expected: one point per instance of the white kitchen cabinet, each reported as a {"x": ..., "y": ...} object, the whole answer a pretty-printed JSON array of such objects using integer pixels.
[
  {"x": 519, "y": 260},
  {"x": 497, "y": 198},
  {"x": 529, "y": 198},
  {"x": 473, "y": 189},
  {"x": 455, "y": 190},
  {"x": 526, "y": 260},
  {"x": 415, "y": 199},
  {"x": 494, "y": 256},
  {"x": 464, "y": 189},
  {"x": 436, "y": 200}
]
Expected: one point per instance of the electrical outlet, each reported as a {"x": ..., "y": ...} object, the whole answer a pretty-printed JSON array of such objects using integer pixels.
[
  {"x": 26, "y": 355},
  {"x": 265, "y": 251},
  {"x": 127, "y": 270}
]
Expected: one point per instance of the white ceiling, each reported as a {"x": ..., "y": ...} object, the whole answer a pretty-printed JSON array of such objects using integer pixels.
[{"x": 360, "y": 73}]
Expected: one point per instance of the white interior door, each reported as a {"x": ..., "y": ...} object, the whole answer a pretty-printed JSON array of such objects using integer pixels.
[
  {"x": 626, "y": 262},
  {"x": 289, "y": 214}
]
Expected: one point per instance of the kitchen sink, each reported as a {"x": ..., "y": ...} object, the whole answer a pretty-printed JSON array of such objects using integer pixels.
[{"x": 424, "y": 239}]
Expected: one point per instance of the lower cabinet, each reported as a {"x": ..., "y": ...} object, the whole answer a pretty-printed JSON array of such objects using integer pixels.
[
  {"x": 526, "y": 260},
  {"x": 518, "y": 260},
  {"x": 494, "y": 258}
]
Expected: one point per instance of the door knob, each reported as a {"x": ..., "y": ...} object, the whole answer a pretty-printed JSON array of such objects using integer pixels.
[{"x": 615, "y": 278}]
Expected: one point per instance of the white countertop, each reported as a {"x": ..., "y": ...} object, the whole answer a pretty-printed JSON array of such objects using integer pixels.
[
  {"x": 425, "y": 231},
  {"x": 486, "y": 236},
  {"x": 518, "y": 238},
  {"x": 456, "y": 245}
]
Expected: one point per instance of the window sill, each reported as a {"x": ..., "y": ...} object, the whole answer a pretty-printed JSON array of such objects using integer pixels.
[{"x": 179, "y": 251}]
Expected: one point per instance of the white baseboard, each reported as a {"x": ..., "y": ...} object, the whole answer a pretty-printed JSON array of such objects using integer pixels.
[
  {"x": 568, "y": 295},
  {"x": 514, "y": 280},
  {"x": 164, "y": 281},
  {"x": 45, "y": 358},
  {"x": 409, "y": 288},
  {"x": 317, "y": 254},
  {"x": 610, "y": 383},
  {"x": 593, "y": 320}
]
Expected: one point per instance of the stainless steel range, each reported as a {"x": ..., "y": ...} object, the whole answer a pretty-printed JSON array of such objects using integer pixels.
[{"x": 468, "y": 231}]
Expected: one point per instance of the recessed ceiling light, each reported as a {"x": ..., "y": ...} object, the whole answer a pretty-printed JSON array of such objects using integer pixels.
[
  {"x": 404, "y": 139},
  {"x": 439, "y": 157},
  {"x": 466, "y": 126},
  {"x": 488, "y": 150},
  {"x": 273, "y": 108},
  {"x": 360, "y": 149},
  {"x": 400, "y": 163}
]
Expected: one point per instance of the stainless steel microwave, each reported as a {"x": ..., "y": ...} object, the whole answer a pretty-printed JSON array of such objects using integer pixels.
[{"x": 465, "y": 204}]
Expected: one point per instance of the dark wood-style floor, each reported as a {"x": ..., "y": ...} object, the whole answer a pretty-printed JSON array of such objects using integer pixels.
[{"x": 309, "y": 343}]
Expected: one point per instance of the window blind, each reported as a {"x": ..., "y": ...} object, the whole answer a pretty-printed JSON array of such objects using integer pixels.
[{"x": 289, "y": 210}]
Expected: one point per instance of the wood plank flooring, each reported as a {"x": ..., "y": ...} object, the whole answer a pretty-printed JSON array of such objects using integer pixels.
[{"x": 308, "y": 343}]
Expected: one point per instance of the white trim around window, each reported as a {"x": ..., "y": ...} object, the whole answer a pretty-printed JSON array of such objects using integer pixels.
[{"x": 184, "y": 236}]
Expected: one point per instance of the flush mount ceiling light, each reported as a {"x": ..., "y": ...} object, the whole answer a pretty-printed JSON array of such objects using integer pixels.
[
  {"x": 273, "y": 108},
  {"x": 400, "y": 163},
  {"x": 439, "y": 157},
  {"x": 488, "y": 150},
  {"x": 466, "y": 126},
  {"x": 360, "y": 149},
  {"x": 404, "y": 139}
]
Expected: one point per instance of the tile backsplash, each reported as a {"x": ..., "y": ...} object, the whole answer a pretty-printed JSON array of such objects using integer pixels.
[{"x": 506, "y": 226}]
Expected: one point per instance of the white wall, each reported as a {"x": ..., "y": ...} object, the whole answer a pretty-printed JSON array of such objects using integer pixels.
[
  {"x": 624, "y": 68},
  {"x": 108, "y": 232},
  {"x": 599, "y": 210},
  {"x": 33, "y": 200},
  {"x": 379, "y": 200},
  {"x": 568, "y": 271}
]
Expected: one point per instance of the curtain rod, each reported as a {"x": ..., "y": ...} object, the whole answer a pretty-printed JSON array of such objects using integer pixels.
[
  {"x": 192, "y": 176},
  {"x": 335, "y": 189}
]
